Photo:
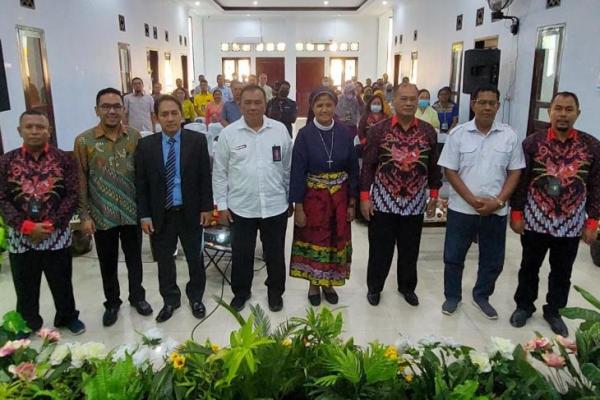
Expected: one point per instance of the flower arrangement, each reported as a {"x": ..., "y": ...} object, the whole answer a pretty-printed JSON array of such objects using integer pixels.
[{"x": 303, "y": 358}]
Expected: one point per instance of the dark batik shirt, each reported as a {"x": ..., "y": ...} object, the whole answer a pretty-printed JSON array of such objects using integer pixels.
[
  {"x": 399, "y": 166},
  {"x": 575, "y": 164},
  {"x": 52, "y": 178}
]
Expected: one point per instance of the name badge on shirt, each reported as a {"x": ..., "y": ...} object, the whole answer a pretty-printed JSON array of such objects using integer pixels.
[
  {"x": 444, "y": 126},
  {"x": 276, "y": 153},
  {"x": 243, "y": 146}
]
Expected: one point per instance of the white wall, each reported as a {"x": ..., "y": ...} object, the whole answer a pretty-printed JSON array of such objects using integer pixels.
[
  {"x": 288, "y": 29},
  {"x": 81, "y": 42},
  {"x": 436, "y": 21}
]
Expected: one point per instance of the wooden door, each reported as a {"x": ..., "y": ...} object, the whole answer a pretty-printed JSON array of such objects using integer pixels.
[
  {"x": 184, "y": 71},
  {"x": 153, "y": 62},
  {"x": 309, "y": 74},
  {"x": 397, "y": 58},
  {"x": 274, "y": 67}
]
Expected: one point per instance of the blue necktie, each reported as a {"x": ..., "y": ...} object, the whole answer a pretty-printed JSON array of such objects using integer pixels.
[{"x": 170, "y": 173}]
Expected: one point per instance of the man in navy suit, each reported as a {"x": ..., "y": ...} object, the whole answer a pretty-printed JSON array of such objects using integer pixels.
[{"x": 174, "y": 197}]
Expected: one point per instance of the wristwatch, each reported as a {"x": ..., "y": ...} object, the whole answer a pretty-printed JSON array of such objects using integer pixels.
[{"x": 500, "y": 203}]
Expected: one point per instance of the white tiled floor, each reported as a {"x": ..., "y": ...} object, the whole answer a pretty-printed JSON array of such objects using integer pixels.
[{"x": 365, "y": 323}]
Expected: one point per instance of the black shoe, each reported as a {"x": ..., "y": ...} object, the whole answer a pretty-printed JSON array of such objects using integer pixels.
[
  {"x": 239, "y": 302},
  {"x": 557, "y": 325},
  {"x": 198, "y": 309},
  {"x": 111, "y": 314},
  {"x": 143, "y": 308},
  {"x": 373, "y": 298},
  {"x": 331, "y": 296},
  {"x": 486, "y": 309},
  {"x": 166, "y": 312},
  {"x": 76, "y": 327},
  {"x": 411, "y": 298},
  {"x": 519, "y": 318},
  {"x": 314, "y": 299},
  {"x": 275, "y": 303},
  {"x": 449, "y": 307}
]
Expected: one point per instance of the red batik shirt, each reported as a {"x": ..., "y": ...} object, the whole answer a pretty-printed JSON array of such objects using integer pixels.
[
  {"x": 398, "y": 167},
  {"x": 575, "y": 163},
  {"x": 52, "y": 178}
]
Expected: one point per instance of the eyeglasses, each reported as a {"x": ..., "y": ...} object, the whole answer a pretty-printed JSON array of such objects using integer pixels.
[
  {"x": 484, "y": 103},
  {"x": 108, "y": 107}
]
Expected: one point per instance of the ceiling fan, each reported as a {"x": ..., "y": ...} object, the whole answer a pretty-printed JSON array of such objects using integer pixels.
[{"x": 497, "y": 6}]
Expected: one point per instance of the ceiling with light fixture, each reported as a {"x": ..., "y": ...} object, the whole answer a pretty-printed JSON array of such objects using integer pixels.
[{"x": 346, "y": 7}]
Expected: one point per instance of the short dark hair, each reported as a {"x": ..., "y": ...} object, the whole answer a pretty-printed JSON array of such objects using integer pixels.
[
  {"x": 203, "y": 81},
  {"x": 137, "y": 79},
  {"x": 565, "y": 94},
  {"x": 253, "y": 88},
  {"x": 284, "y": 83},
  {"x": 217, "y": 90},
  {"x": 167, "y": 97},
  {"x": 445, "y": 89},
  {"x": 482, "y": 89},
  {"x": 32, "y": 112},
  {"x": 107, "y": 91}
]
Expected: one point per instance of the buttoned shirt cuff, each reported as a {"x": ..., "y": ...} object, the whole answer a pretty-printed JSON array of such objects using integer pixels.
[
  {"x": 221, "y": 206},
  {"x": 146, "y": 219},
  {"x": 434, "y": 193},
  {"x": 365, "y": 196},
  {"x": 27, "y": 227},
  {"x": 516, "y": 215},
  {"x": 591, "y": 223}
]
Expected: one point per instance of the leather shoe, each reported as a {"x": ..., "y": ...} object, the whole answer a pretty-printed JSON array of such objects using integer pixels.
[
  {"x": 411, "y": 298},
  {"x": 110, "y": 316},
  {"x": 330, "y": 295},
  {"x": 373, "y": 298},
  {"x": 275, "y": 302},
  {"x": 557, "y": 325},
  {"x": 143, "y": 308},
  {"x": 166, "y": 312},
  {"x": 239, "y": 302},
  {"x": 315, "y": 299},
  {"x": 198, "y": 309}
]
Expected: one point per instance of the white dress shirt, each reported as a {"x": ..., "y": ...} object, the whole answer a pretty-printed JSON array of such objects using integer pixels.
[
  {"x": 249, "y": 177},
  {"x": 482, "y": 161}
]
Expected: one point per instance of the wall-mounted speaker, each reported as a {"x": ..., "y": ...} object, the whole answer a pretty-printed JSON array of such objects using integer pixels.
[{"x": 481, "y": 68}]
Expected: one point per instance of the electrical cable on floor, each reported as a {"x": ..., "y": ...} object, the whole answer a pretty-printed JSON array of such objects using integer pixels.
[{"x": 216, "y": 306}]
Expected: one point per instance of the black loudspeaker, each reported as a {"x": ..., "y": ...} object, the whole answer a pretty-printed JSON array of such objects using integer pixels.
[
  {"x": 482, "y": 68},
  {"x": 4, "y": 101}
]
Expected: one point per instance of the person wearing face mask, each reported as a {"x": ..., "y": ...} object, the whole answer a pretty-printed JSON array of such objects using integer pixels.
[
  {"x": 283, "y": 109},
  {"x": 324, "y": 189},
  {"x": 424, "y": 110},
  {"x": 374, "y": 113},
  {"x": 348, "y": 109}
]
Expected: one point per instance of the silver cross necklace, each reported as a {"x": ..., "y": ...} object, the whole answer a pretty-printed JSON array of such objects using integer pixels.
[{"x": 330, "y": 152}]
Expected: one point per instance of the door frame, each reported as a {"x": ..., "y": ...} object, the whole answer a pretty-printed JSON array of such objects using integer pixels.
[
  {"x": 125, "y": 84},
  {"x": 149, "y": 66}
]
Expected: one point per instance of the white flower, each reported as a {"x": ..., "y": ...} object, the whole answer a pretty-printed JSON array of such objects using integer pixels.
[
  {"x": 449, "y": 342},
  {"x": 121, "y": 351},
  {"x": 153, "y": 334},
  {"x": 501, "y": 346},
  {"x": 429, "y": 340},
  {"x": 142, "y": 355},
  {"x": 169, "y": 345},
  {"x": 481, "y": 360},
  {"x": 59, "y": 354},
  {"x": 403, "y": 343},
  {"x": 88, "y": 351}
]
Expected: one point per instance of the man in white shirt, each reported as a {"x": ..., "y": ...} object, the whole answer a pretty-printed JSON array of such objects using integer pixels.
[
  {"x": 139, "y": 108},
  {"x": 262, "y": 82},
  {"x": 251, "y": 176},
  {"x": 483, "y": 161}
]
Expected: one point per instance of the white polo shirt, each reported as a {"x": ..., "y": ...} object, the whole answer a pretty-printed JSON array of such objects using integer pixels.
[
  {"x": 251, "y": 171},
  {"x": 482, "y": 161}
]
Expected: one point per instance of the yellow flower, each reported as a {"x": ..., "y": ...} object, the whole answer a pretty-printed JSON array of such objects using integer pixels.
[
  {"x": 408, "y": 378},
  {"x": 391, "y": 353},
  {"x": 177, "y": 360},
  {"x": 287, "y": 342},
  {"x": 215, "y": 347}
]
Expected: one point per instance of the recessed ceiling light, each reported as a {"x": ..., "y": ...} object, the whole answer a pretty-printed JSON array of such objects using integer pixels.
[
  {"x": 255, "y": 3},
  {"x": 384, "y": 2},
  {"x": 326, "y": 2},
  {"x": 197, "y": 3}
]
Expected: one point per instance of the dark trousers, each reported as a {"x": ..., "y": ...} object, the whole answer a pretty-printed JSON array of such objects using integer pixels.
[
  {"x": 562, "y": 256},
  {"x": 461, "y": 230},
  {"x": 107, "y": 247},
  {"x": 164, "y": 242},
  {"x": 27, "y": 271},
  {"x": 243, "y": 243},
  {"x": 387, "y": 231}
]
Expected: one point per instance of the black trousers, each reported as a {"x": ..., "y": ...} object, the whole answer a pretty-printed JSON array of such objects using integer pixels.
[
  {"x": 563, "y": 252},
  {"x": 107, "y": 247},
  {"x": 164, "y": 242},
  {"x": 27, "y": 271},
  {"x": 243, "y": 243},
  {"x": 387, "y": 231}
]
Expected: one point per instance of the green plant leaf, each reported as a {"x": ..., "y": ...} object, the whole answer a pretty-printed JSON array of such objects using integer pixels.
[
  {"x": 162, "y": 385},
  {"x": 14, "y": 323},
  {"x": 328, "y": 380},
  {"x": 592, "y": 373},
  {"x": 580, "y": 313},
  {"x": 588, "y": 296}
]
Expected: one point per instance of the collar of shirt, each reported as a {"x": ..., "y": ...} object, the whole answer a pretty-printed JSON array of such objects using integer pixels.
[
  {"x": 471, "y": 127},
  {"x": 165, "y": 137},
  {"x": 551, "y": 135},
  {"x": 267, "y": 123},
  {"x": 99, "y": 131},
  {"x": 395, "y": 122},
  {"x": 142, "y": 93},
  {"x": 25, "y": 150}
]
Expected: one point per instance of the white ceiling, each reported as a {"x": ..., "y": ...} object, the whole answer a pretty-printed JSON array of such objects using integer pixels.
[{"x": 212, "y": 7}]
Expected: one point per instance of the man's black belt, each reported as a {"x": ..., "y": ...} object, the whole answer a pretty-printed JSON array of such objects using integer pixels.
[{"x": 174, "y": 209}]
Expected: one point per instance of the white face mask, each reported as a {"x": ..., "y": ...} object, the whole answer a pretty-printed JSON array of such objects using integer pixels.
[{"x": 376, "y": 108}]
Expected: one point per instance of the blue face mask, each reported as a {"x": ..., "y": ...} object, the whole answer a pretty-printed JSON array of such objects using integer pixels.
[{"x": 423, "y": 103}]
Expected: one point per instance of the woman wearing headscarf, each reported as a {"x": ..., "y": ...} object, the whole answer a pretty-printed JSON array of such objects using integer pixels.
[
  {"x": 348, "y": 108},
  {"x": 324, "y": 188}
]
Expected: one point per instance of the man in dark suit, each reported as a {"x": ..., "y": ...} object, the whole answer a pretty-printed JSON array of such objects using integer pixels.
[{"x": 174, "y": 197}]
